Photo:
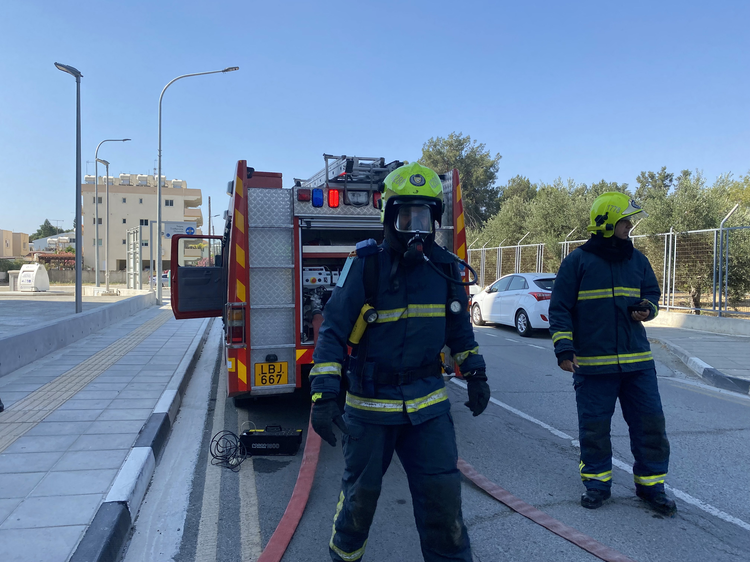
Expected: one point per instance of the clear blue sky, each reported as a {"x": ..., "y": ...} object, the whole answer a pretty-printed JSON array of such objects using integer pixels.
[{"x": 587, "y": 90}]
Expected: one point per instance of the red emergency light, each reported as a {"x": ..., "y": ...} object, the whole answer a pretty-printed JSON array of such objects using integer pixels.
[
  {"x": 304, "y": 194},
  {"x": 376, "y": 196},
  {"x": 333, "y": 197}
]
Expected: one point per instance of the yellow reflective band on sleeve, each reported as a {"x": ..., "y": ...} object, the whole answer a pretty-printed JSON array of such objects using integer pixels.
[
  {"x": 615, "y": 359},
  {"x": 557, "y": 336},
  {"x": 326, "y": 369},
  {"x": 594, "y": 294},
  {"x": 374, "y": 404},
  {"x": 417, "y": 404},
  {"x": 317, "y": 396},
  {"x": 602, "y": 476},
  {"x": 649, "y": 480},
  {"x": 461, "y": 357},
  {"x": 412, "y": 311},
  {"x": 654, "y": 308},
  {"x": 357, "y": 554},
  {"x": 627, "y": 292}
]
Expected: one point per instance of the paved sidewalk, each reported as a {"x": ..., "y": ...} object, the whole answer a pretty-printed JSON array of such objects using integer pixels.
[
  {"x": 81, "y": 430},
  {"x": 722, "y": 360}
]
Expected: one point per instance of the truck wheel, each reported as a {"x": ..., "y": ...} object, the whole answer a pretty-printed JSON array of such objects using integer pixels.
[
  {"x": 522, "y": 324},
  {"x": 476, "y": 315}
]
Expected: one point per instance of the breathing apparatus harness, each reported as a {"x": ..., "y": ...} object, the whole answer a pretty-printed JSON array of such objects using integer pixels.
[{"x": 368, "y": 250}]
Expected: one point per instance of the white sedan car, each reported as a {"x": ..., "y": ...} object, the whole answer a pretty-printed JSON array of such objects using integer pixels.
[{"x": 518, "y": 299}]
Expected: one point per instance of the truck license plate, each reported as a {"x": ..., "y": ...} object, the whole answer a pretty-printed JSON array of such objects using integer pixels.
[{"x": 269, "y": 374}]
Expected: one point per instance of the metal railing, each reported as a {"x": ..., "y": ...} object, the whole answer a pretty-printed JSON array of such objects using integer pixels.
[{"x": 698, "y": 270}]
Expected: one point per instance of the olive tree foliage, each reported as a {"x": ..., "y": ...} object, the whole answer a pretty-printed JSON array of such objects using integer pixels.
[
  {"x": 477, "y": 169},
  {"x": 547, "y": 212}
]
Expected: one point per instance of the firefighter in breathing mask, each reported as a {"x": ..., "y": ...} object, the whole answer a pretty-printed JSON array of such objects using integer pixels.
[{"x": 406, "y": 288}]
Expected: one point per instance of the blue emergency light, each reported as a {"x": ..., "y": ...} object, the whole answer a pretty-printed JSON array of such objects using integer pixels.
[{"x": 317, "y": 197}]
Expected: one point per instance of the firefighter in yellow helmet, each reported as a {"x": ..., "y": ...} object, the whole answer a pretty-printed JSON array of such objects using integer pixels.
[
  {"x": 603, "y": 293},
  {"x": 396, "y": 399}
]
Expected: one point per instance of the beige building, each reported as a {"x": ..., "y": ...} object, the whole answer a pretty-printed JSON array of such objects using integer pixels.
[
  {"x": 20, "y": 244},
  {"x": 132, "y": 203},
  {"x": 13, "y": 244}
]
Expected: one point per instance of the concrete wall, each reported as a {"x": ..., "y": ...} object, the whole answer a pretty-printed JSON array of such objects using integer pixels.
[
  {"x": 731, "y": 326},
  {"x": 68, "y": 277},
  {"x": 22, "y": 348}
]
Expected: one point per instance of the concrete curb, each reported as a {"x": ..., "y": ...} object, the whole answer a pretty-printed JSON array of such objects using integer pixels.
[
  {"x": 22, "y": 348},
  {"x": 104, "y": 539},
  {"x": 704, "y": 370}
]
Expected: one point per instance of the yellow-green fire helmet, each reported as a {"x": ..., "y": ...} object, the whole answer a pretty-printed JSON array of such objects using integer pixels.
[
  {"x": 611, "y": 207},
  {"x": 412, "y": 183}
]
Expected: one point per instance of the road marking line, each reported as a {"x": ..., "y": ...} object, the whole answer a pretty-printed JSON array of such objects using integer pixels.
[
  {"x": 537, "y": 346},
  {"x": 510, "y": 339},
  {"x": 687, "y": 498},
  {"x": 250, "y": 538},
  {"x": 208, "y": 528},
  {"x": 25, "y": 414}
]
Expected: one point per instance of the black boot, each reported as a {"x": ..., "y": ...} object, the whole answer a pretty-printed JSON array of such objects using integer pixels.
[
  {"x": 658, "y": 501},
  {"x": 594, "y": 498}
]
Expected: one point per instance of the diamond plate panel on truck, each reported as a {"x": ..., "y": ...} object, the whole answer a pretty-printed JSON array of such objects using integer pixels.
[
  {"x": 272, "y": 286},
  {"x": 283, "y": 354},
  {"x": 270, "y": 247},
  {"x": 269, "y": 207},
  {"x": 271, "y": 326}
]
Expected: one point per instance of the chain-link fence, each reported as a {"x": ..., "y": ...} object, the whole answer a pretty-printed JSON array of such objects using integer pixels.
[{"x": 698, "y": 271}]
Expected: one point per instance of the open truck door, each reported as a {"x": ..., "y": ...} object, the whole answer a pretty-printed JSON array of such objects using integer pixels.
[{"x": 198, "y": 276}]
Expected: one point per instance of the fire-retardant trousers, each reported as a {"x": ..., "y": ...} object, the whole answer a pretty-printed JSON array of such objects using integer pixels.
[
  {"x": 429, "y": 456},
  {"x": 638, "y": 392}
]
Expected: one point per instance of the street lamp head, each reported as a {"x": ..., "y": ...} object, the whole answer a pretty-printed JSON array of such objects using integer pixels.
[
  {"x": 125, "y": 140},
  {"x": 231, "y": 69},
  {"x": 102, "y": 161},
  {"x": 69, "y": 69}
]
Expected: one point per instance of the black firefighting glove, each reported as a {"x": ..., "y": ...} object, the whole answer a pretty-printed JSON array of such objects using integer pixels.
[
  {"x": 325, "y": 413},
  {"x": 479, "y": 391}
]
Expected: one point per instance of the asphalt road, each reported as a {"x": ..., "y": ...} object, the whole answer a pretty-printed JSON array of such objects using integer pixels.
[{"x": 525, "y": 442}]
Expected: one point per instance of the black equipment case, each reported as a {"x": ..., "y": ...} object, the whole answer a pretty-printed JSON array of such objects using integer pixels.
[{"x": 273, "y": 440}]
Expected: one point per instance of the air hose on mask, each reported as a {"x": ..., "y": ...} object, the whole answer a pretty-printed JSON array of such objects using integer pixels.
[
  {"x": 452, "y": 280},
  {"x": 415, "y": 251}
]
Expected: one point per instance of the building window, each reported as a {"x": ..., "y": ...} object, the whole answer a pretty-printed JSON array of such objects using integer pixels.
[
  {"x": 169, "y": 202},
  {"x": 144, "y": 243},
  {"x": 123, "y": 241},
  {"x": 124, "y": 221},
  {"x": 124, "y": 200},
  {"x": 93, "y": 241},
  {"x": 140, "y": 200},
  {"x": 93, "y": 200},
  {"x": 144, "y": 222},
  {"x": 93, "y": 219}
]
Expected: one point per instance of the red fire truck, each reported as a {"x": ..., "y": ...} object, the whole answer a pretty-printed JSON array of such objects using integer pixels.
[{"x": 275, "y": 267}]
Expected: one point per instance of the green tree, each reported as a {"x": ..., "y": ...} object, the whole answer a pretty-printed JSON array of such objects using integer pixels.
[
  {"x": 651, "y": 184},
  {"x": 518, "y": 185},
  {"x": 45, "y": 230},
  {"x": 477, "y": 169}
]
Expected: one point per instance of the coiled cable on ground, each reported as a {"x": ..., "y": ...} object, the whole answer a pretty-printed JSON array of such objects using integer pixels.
[{"x": 227, "y": 450}]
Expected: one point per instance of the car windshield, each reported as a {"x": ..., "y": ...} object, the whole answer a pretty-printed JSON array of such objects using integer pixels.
[{"x": 545, "y": 284}]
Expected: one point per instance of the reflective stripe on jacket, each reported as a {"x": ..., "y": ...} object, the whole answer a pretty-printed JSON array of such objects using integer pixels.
[
  {"x": 589, "y": 312},
  {"x": 411, "y": 331}
]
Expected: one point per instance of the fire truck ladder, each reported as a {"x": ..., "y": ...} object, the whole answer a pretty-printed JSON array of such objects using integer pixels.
[{"x": 355, "y": 172}]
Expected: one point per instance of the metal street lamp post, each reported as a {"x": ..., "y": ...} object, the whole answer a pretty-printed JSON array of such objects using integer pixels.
[
  {"x": 79, "y": 227},
  {"x": 106, "y": 232},
  {"x": 158, "y": 180},
  {"x": 96, "y": 205}
]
